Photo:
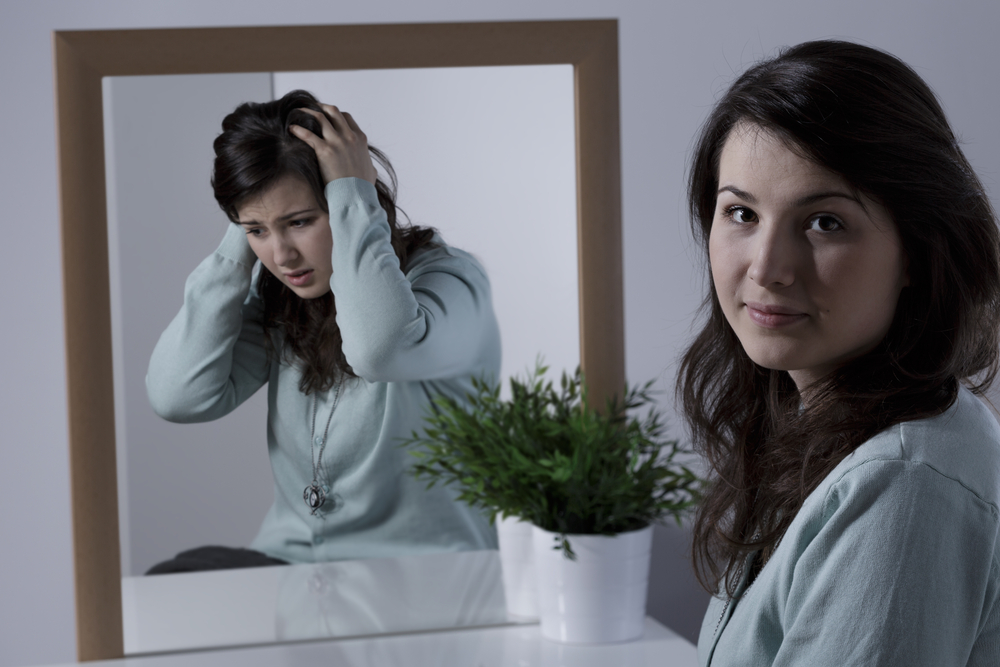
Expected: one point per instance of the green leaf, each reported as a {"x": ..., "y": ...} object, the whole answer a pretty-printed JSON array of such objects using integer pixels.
[{"x": 546, "y": 456}]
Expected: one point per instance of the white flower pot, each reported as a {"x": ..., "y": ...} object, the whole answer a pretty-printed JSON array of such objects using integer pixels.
[
  {"x": 601, "y": 596},
  {"x": 517, "y": 560}
]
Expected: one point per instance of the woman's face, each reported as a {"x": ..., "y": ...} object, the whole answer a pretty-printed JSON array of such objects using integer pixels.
[
  {"x": 808, "y": 272},
  {"x": 290, "y": 234}
]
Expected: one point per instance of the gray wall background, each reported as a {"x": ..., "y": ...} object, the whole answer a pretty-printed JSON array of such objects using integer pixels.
[
  {"x": 179, "y": 486},
  {"x": 675, "y": 58}
]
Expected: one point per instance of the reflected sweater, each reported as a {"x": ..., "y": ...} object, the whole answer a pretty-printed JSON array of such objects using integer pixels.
[
  {"x": 408, "y": 336},
  {"x": 892, "y": 560}
]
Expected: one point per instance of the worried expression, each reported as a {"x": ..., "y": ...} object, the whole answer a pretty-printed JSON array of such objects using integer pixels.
[{"x": 290, "y": 234}]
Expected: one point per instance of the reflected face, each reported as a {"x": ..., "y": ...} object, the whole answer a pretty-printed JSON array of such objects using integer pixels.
[
  {"x": 807, "y": 271},
  {"x": 290, "y": 234}
]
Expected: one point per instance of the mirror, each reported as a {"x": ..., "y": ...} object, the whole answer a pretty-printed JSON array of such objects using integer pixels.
[
  {"x": 84, "y": 57},
  {"x": 337, "y": 599},
  {"x": 456, "y": 136}
]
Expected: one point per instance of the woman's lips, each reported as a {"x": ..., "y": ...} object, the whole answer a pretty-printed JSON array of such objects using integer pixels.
[
  {"x": 299, "y": 278},
  {"x": 773, "y": 317}
]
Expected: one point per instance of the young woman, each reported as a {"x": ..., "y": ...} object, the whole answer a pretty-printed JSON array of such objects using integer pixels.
[
  {"x": 353, "y": 322},
  {"x": 854, "y": 310}
]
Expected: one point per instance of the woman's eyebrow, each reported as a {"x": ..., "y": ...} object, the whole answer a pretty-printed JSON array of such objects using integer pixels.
[
  {"x": 296, "y": 214},
  {"x": 819, "y": 196},
  {"x": 802, "y": 201},
  {"x": 287, "y": 216},
  {"x": 742, "y": 194}
]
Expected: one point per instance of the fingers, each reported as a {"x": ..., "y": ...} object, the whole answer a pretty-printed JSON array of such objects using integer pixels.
[
  {"x": 336, "y": 121},
  {"x": 326, "y": 127},
  {"x": 342, "y": 149},
  {"x": 306, "y": 136},
  {"x": 335, "y": 116},
  {"x": 341, "y": 119},
  {"x": 351, "y": 123}
]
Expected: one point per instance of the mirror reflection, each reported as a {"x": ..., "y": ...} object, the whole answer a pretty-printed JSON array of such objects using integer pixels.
[
  {"x": 485, "y": 155},
  {"x": 310, "y": 601}
]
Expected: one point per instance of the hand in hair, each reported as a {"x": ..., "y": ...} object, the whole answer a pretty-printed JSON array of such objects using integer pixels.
[{"x": 342, "y": 151}]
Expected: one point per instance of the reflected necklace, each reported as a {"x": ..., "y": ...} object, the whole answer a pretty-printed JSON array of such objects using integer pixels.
[{"x": 314, "y": 495}]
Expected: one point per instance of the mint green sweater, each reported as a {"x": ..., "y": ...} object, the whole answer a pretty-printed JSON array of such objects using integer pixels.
[
  {"x": 407, "y": 336},
  {"x": 893, "y": 560}
]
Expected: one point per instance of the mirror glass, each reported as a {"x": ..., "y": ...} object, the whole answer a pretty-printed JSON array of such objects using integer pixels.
[
  {"x": 357, "y": 598},
  {"x": 485, "y": 155}
]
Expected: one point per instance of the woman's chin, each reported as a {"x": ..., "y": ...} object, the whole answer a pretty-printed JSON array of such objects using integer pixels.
[
  {"x": 775, "y": 360},
  {"x": 311, "y": 291}
]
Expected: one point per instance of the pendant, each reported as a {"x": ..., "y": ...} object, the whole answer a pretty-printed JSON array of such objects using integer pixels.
[{"x": 314, "y": 496}]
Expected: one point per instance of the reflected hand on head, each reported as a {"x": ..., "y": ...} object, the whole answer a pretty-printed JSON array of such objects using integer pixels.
[{"x": 342, "y": 151}]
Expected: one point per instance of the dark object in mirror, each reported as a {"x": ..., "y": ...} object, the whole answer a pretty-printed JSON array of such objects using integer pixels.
[{"x": 214, "y": 558}]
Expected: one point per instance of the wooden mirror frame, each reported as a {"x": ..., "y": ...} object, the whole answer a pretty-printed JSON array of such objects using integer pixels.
[{"x": 83, "y": 57}]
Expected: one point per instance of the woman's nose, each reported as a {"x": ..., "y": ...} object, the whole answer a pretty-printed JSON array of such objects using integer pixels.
[
  {"x": 773, "y": 260},
  {"x": 284, "y": 252}
]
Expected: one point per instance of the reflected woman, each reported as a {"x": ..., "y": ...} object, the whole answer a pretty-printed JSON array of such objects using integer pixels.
[
  {"x": 351, "y": 320},
  {"x": 853, "y": 314}
]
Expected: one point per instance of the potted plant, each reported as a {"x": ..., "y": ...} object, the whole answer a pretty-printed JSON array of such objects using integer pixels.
[{"x": 591, "y": 482}]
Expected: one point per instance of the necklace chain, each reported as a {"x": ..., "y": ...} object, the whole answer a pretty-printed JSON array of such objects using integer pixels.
[
  {"x": 739, "y": 575},
  {"x": 314, "y": 495}
]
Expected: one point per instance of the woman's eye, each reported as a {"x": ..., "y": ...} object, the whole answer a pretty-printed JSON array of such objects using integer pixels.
[
  {"x": 299, "y": 223},
  {"x": 741, "y": 214},
  {"x": 825, "y": 223},
  {"x": 254, "y": 232}
]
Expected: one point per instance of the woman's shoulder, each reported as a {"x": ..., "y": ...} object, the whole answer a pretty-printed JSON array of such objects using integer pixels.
[
  {"x": 439, "y": 256},
  {"x": 962, "y": 445}
]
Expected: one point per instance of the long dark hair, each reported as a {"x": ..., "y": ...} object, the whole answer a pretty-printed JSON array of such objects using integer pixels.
[
  {"x": 254, "y": 151},
  {"x": 867, "y": 116}
]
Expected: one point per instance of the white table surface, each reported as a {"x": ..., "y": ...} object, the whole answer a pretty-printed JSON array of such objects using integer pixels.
[{"x": 506, "y": 646}]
